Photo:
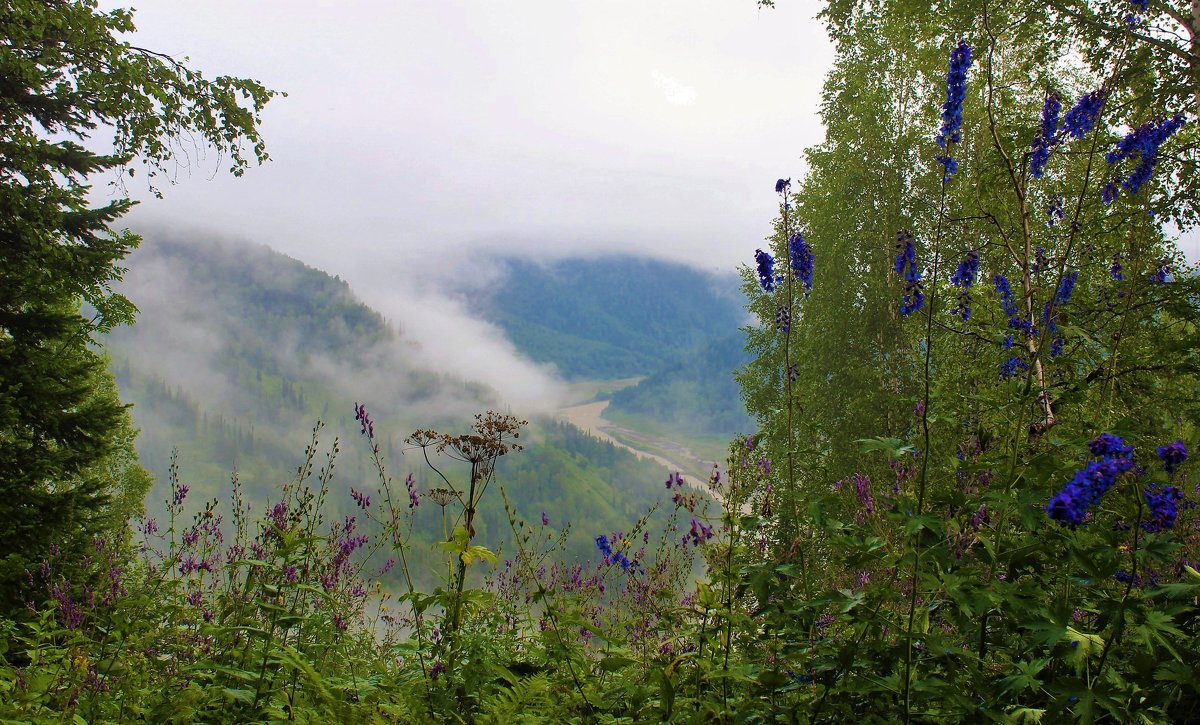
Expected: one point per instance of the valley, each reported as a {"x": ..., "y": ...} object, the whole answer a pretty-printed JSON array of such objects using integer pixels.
[{"x": 238, "y": 351}]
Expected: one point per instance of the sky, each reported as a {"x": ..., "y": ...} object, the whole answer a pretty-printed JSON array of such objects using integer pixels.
[
  {"x": 421, "y": 140},
  {"x": 422, "y": 133}
]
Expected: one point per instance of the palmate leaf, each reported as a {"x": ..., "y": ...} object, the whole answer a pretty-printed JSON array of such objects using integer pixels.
[
  {"x": 1025, "y": 678},
  {"x": 1157, "y": 630}
]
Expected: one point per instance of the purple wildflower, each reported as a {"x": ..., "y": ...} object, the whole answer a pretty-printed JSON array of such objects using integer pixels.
[
  {"x": 1172, "y": 455},
  {"x": 1070, "y": 505},
  {"x": 1117, "y": 270},
  {"x": 783, "y": 319},
  {"x": 1006, "y": 295},
  {"x": 1065, "y": 288},
  {"x": 862, "y": 490},
  {"x": 801, "y": 257},
  {"x": 698, "y": 533},
  {"x": 956, "y": 93},
  {"x": 979, "y": 518},
  {"x": 964, "y": 277},
  {"x": 1164, "y": 507},
  {"x": 766, "y": 270},
  {"x": 1054, "y": 210},
  {"x": 1080, "y": 120},
  {"x": 949, "y": 166},
  {"x": 1048, "y": 136},
  {"x": 1109, "y": 193},
  {"x": 782, "y": 185},
  {"x": 906, "y": 266},
  {"x": 1144, "y": 142},
  {"x": 411, "y": 484},
  {"x": 1160, "y": 274},
  {"x": 1012, "y": 366}
]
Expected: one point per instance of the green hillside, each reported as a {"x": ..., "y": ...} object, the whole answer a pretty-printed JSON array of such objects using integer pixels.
[
  {"x": 612, "y": 317},
  {"x": 239, "y": 350},
  {"x": 696, "y": 396}
]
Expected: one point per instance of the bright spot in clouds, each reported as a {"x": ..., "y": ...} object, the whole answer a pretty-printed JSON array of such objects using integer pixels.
[{"x": 676, "y": 93}]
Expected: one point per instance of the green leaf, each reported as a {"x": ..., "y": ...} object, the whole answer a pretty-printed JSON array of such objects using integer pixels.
[
  {"x": 615, "y": 663},
  {"x": 666, "y": 693},
  {"x": 245, "y": 697},
  {"x": 893, "y": 447}
]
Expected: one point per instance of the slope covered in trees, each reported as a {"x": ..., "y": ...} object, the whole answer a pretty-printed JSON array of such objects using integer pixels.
[
  {"x": 611, "y": 317},
  {"x": 697, "y": 395},
  {"x": 238, "y": 350}
]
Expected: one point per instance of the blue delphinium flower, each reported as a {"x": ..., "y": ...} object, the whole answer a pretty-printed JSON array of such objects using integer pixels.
[
  {"x": 1039, "y": 259},
  {"x": 802, "y": 260},
  {"x": 956, "y": 92},
  {"x": 1080, "y": 120},
  {"x": 1109, "y": 193},
  {"x": 1107, "y": 445},
  {"x": 1009, "y": 303},
  {"x": 1065, "y": 288},
  {"x": 1172, "y": 455},
  {"x": 603, "y": 545},
  {"x": 1159, "y": 275},
  {"x": 949, "y": 166},
  {"x": 1144, "y": 142},
  {"x": 1117, "y": 270},
  {"x": 1006, "y": 295},
  {"x": 625, "y": 562},
  {"x": 1070, "y": 505},
  {"x": 906, "y": 266},
  {"x": 766, "y": 270},
  {"x": 1164, "y": 507},
  {"x": 783, "y": 319},
  {"x": 1054, "y": 210},
  {"x": 963, "y": 278},
  {"x": 1012, "y": 366},
  {"x": 1050, "y": 326},
  {"x": 1047, "y": 137},
  {"x": 782, "y": 185}
]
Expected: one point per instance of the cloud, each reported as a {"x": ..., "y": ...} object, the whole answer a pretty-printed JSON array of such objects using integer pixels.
[
  {"x": 442, "y": 364},
  {"x": 676, "y": 93}
]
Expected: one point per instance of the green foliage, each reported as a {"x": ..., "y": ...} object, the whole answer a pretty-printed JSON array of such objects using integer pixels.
[
  {"x": 611, "y": 317},
  {"x": 696, "y": 396},
  {"x": 67, "y": 471}
]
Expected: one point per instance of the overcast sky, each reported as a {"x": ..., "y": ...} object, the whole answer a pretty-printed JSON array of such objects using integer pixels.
[
  {"x": 418, "y": 138},
  {"x": 419, "y": 132}
]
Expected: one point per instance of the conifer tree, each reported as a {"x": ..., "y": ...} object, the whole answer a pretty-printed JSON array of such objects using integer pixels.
[{"x": 68, "y": 473}]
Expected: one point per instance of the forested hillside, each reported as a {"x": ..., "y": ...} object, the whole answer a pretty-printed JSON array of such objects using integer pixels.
[
  {"x": 612, "y": 317},
  {"x": 619, "y": 317},
  {"x": 697, "y": 395},
  {"x": 240, "y": 350}
]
